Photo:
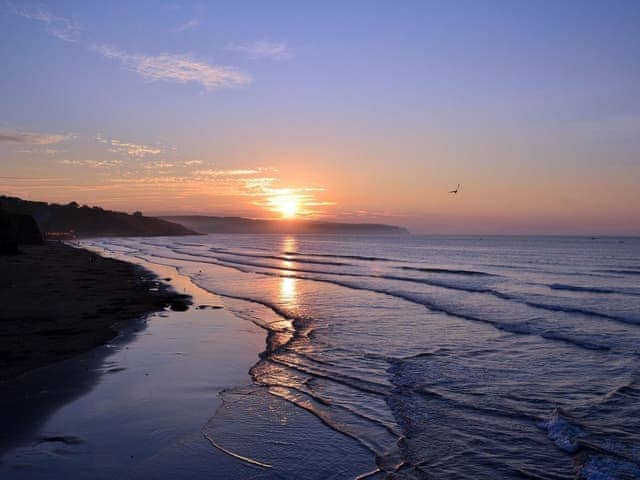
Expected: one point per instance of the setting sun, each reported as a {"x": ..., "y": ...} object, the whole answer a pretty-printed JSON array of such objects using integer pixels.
[{"x": 287, "y": 205}]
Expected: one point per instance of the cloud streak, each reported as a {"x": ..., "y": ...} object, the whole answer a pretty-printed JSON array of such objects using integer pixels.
[
  {"x": 272, "y": 199},
  {"x": 177, "y": 68},
  {"x": 92, "y": 163},
  {"x": 60, "y": 27},
  {"x": 133, "y": 150},
  {"x": 246, "y": 191},
  {"x": 166, "y": 67},
  {"x": 263, "y": 49},
  {"x": 189, "y": 25},
  {"x": 226, "y": 173},
  {"x": 159, "y": 165},
  {"x": 39, "y": 151},
  {"x": 32, "y": 138}
]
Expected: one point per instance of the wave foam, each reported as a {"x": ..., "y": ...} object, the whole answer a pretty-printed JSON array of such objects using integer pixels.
[{"x": 562, "y": 432}]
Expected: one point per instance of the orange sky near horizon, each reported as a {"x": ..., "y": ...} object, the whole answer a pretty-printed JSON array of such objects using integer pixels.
[{"x": 518, "y": 201}]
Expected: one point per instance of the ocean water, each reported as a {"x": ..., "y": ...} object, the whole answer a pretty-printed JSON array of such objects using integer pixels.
[{"x": 440, "y": 357}]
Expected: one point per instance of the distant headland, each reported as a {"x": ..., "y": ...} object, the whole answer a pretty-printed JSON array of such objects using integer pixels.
[
  {"x": 209, "y": 224},
  {"x": 72, "y": 220}
]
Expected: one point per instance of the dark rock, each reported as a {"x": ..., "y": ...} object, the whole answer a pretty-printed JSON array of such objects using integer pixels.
[
  {"x": 179, "y": 302},
  {"x": 28, "y": 231},
  {"x": 8, "y": 235}
]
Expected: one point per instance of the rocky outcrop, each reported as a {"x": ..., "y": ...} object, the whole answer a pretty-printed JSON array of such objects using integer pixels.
[
  {"x": 8, "y": 234},
  {"x": 28, "y": 231},
  {"x": 17, "y": 229}
]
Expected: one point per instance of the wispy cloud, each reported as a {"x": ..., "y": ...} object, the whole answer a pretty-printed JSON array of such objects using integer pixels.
[
  {"x": 226, "y": 173},
  {"x": 372, "y": 214},
  {"x": 273, "y": 199},
  {"x": 263, "y": 49},
  {"x": 188, "y": 25},
  {"x": 92, "y": 163},
  {"x": 168, "y": 67},
  {"x": 246, "y": 191},
  {"x": 158, "y": 165},
  {"x": 60, "y": 27},
  {"x": 133, "y": 150},
  {"x": 36, "y": 179},
  {"x": 32, "y": 138},
  {"x": 39, "y": 151},
  {"x": 176, "y": 68}
]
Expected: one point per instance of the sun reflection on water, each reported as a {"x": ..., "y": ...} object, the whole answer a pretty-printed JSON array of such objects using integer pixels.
[
  {"x": 288, "y": 291},
  {"x": 289, "y": 244}
]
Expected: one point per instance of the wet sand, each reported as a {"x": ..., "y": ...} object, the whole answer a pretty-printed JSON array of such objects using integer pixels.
[
  {"x": 58, "y": 301},
  {"x": 138, "y": 400},
  {"x": 172, "y": 399}
]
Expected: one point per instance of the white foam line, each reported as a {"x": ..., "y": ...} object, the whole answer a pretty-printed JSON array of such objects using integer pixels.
[
  {"x": 368, "y": 474},
  {"x": 235, "y": 455}
]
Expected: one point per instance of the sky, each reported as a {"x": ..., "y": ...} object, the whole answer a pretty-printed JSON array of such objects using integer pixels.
[{"x": 368, "y": 111}]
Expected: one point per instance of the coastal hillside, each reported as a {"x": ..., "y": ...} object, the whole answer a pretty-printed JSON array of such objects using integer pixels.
[
  {"x": 207, "y": 224},
  {"x": 73, "y": 220}
]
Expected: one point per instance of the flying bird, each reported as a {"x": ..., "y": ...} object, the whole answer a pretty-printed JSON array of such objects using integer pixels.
[{"x": 456, "y": 190}]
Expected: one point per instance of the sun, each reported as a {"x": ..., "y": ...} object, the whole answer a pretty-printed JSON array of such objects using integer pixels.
[
  {"x": 289, "y": 208},
  {"x": 287, "y": 205}
]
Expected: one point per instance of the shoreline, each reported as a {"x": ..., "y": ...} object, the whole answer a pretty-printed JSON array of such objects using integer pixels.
[
  {"x": 128, "y": 406},
  {"x": 59, "y": 301},
  {"x": 168, "y": 397}
]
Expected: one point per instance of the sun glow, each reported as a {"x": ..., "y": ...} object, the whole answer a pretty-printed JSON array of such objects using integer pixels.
[{"x": 287, "y": 205}]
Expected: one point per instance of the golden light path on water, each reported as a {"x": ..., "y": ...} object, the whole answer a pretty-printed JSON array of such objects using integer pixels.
[{"x": 288, "y": 290}]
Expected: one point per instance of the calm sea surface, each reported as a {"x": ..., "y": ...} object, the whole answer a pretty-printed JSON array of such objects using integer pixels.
[{"x": 443, "y": 357}]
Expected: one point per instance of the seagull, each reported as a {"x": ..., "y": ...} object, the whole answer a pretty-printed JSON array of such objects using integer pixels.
[{"x": 456, "y": 190}]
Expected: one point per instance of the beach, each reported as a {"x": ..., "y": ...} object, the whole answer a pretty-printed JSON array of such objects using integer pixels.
[
  {"x": 313, "y": 357},
  {"x": 161, "y": 400},
  {"x": 58, "y": 301}
]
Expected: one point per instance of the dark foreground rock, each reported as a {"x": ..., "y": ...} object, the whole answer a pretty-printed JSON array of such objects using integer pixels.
[
  {"x": 15, "y": 230},
  {"x": 8, "y": 235},
  {"x": 28, "y": 231}
]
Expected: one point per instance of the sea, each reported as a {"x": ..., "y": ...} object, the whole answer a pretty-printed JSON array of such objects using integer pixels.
[{"x": 453, "y": 357}]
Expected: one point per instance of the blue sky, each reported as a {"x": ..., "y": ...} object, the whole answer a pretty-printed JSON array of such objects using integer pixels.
[{"x": 363, "y": 110}]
